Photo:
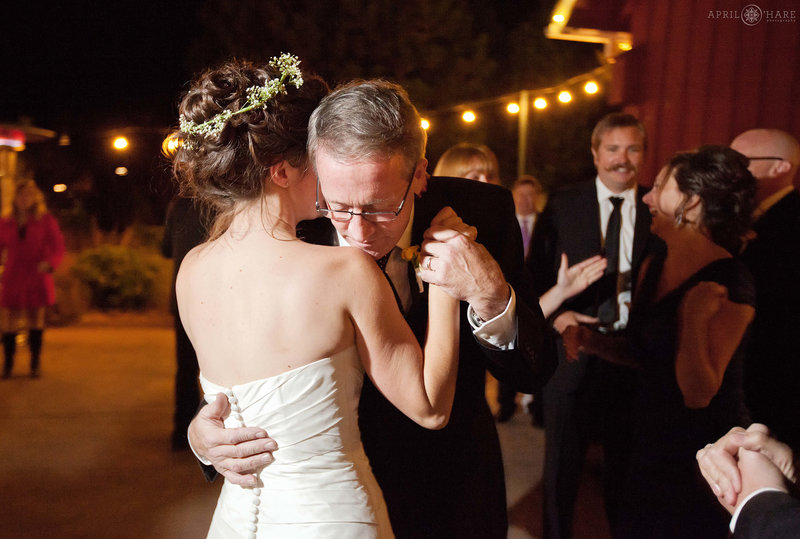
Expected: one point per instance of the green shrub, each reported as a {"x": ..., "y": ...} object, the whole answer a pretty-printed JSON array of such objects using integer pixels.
[
  {"x": 117, "y": 277},
  {"x": 72, "y": 295}
]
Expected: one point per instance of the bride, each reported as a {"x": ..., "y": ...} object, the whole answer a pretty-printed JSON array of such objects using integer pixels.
[{"x": 284, "y": 329}]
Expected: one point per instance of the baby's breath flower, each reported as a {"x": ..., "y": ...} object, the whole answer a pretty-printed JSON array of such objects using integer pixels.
[{"x": 257, "y": 96}]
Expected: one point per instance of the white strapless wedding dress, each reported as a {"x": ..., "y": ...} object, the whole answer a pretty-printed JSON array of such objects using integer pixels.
[{"x": 320, "y": 484}]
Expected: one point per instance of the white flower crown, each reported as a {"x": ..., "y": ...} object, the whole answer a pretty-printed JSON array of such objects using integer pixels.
[{"x": 257, "y": 96}]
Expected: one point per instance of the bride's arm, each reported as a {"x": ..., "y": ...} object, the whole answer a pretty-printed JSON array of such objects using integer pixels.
[{"x": 420, "y": 383}]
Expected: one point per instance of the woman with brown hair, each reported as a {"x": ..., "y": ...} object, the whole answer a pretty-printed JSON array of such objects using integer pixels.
[{"x": 689, "y": 320}]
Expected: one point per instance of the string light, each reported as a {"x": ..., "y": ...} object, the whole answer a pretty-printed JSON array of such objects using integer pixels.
[
  {"x": 120, "y": 143},
  {"x": 589, "y": 84},
  {"x": 425, "y": 124}
]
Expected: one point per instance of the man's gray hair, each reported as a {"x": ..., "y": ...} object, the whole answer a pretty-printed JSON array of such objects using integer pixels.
[{"x": 367, "y": 120}]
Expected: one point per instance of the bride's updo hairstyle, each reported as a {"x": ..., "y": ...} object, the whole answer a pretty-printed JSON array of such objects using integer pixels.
[{"x": 231, "y": 165}]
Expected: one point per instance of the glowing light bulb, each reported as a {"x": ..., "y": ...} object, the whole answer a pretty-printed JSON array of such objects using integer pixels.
[
  {"x": 468, "y": 116},
  {"x": 564, "y": 96}
]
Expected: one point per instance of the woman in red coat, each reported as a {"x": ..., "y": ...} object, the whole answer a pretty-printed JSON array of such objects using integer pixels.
[{"x": 31, "y": 246}]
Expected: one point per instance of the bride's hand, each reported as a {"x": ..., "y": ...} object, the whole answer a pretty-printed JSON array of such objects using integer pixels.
[{"x": 238, "y": 453}]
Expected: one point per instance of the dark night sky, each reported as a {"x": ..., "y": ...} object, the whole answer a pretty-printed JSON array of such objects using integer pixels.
[{"x": 78, "y": 64}]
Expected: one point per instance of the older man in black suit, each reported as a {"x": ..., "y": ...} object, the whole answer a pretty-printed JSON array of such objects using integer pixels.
[
  {"x": 368, "y": 147},
  {"x": 772, "y": 364},
  {"x": 589, "y": 399}
]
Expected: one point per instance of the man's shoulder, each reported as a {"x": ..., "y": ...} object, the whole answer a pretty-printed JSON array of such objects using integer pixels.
[
  {"x": 566, "y": 196},
  {"x": 469, "y": 198},
  {"x": 318, "y": 231},
  {"x": 449, "y": 188}
]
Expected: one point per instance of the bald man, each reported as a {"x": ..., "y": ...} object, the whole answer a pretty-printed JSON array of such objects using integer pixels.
[{"x": 772, "y": 372}]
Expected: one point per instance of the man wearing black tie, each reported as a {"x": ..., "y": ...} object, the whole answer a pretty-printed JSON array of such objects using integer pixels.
[
  {"x": 368, "y": 148},
  {"x": 589, "y": 399}
]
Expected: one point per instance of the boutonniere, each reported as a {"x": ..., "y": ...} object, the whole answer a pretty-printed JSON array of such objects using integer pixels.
[{"x": 411, "y": 254}]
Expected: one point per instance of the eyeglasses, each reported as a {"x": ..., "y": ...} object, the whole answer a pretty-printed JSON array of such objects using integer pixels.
[
  {"x": 765, "y": 158},
  {"x": 344, "y": 216}
]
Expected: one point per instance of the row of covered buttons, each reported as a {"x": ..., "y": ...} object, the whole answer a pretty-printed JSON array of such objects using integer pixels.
[{"x": 255, "y": 500}]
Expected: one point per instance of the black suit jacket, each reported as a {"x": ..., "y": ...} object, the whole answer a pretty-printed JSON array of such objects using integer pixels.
[
  {"x": 570, "y": 223},
  {"x": 773, "y": 515},
  {"x": 449, "y": 483},
  {"x": 772, "y": 367}
]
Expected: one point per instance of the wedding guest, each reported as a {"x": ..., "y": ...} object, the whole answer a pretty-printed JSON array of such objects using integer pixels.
[
  {"x": 527, "y": 193},
  {"x": 471, "y": 161},
  {"x": 752, "y": 475},
  {"x": 32, "y": 247},
  {"x": 588, "y": 400},
  {"x": 772, "y": 365},
  {"x": 686, "y": 333},
  {"x": 570, "y": 281},
  {"x": 364, "y": 140}
]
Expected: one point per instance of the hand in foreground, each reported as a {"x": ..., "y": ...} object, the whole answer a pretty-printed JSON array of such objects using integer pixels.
[
  {"x": 571, "y": 281},
  {"x": 575, "y": 279},
  {"x": 454, "y": 261},
  {"x": 237, "y": 454},
  {"x": 447, "y": 220},
  {"x": 571, "y": 318},
  {"x": 576, "y": 340},
  {"x": 724, "y": 470}
]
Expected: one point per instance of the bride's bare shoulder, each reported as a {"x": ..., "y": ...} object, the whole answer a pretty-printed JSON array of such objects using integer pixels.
[{"x": 348, "y": 261}]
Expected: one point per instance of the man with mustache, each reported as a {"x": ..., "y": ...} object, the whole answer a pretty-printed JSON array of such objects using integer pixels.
[{"x": 588, "y": 400}]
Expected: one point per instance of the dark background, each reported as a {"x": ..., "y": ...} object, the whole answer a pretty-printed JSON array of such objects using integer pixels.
[{"x": 93, "y": 70}]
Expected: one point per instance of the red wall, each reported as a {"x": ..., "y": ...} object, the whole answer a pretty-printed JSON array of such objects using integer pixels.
[{"x": 696, "y": 79}]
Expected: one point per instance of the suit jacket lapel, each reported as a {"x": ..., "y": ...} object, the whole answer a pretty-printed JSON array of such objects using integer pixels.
[{"x": 320, "y": 231}]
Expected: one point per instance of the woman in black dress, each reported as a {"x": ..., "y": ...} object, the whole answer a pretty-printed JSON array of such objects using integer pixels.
[{"x": 691, "y": 311}]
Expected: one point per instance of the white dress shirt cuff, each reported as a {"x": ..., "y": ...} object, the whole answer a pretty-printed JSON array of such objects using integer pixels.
[
  {"x": 204, "y": 461},
  {"x": 747, "y": 499},
  {"x": 501, "y": 331},
  {"x": 201, "y": 459}
]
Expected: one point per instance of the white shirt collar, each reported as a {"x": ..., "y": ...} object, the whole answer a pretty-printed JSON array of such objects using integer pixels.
[{"x": 603, "y": 192}]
